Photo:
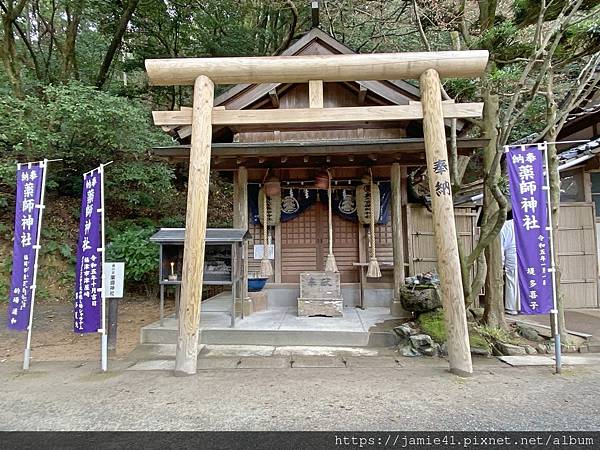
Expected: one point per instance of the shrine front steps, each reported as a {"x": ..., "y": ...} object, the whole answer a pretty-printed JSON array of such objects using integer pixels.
[{"x": 154, "y": 334}]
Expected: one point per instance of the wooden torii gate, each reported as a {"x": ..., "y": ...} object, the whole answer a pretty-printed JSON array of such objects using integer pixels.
[{"x": 428, "y": 67}]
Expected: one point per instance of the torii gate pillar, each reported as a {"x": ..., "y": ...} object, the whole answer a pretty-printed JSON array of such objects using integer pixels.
[
  {"x": 444, "y": 228},
  {"x": 195, "y": 228}
]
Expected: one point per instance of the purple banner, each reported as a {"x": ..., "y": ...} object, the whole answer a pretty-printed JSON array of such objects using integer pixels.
[
  {"x": 27, "y": 223},
  {"x": 528, "y": 198},
  {"x": 87, "y": 311}
]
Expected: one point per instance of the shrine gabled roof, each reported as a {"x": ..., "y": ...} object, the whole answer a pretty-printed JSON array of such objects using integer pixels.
[{"x": 317, "y": 42}]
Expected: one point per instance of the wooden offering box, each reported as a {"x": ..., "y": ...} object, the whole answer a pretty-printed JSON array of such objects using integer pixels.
[{"x": 223, "y": 264}]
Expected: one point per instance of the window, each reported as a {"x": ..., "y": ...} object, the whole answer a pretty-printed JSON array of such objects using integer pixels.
[
  {"x": 596, "y": 191},
  {"x": 571, "y": 186}
]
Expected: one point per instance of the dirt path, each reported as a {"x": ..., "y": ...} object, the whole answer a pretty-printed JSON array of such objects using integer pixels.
[{"x": 53, "y": 338}]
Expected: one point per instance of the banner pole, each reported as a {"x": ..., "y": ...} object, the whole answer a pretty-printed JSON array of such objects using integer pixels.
[
  {"x": 104, "y": 349},
  {"x": 41, "y": 206},
  {"x": 554, "y": 311}
]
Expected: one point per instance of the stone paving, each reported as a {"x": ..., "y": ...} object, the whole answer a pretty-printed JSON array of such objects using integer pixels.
[{"x": 416, "y": 394}]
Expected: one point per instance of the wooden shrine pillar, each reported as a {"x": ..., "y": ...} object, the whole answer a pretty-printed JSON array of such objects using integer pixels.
[
  {"x": 195, "y": 228},
  {"x": 240, "y": 220},
  {"x": 397, "y": 239},
  {"x": 459, "y": 353}
]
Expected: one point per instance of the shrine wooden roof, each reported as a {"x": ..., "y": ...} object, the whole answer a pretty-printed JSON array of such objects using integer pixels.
[
  {"x": 340, "y": 153},
  {"x": 366, "y": 143},
  {"x": 213, "y": 235}
]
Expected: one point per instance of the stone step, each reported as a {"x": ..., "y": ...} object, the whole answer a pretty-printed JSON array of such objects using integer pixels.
[{"x": 228, "y": 336}]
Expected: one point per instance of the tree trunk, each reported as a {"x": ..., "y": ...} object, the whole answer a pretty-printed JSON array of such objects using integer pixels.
[
  {"x": 494, "y": 287},
  {"x": 69, "y": 65},
  {"x": 115, "y": 42},
  {"x": 493, "y": 314},
  {"x": 8, "y": 50}
]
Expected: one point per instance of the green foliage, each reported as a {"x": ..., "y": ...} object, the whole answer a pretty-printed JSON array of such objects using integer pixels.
[
  {"x": 140, "y": 184},
  {"x": 461, "y": 89},
  {"x": 62, "y": 249},
  {"x": 494, "y": 334},
  {"x": 173, "y": 222},
  {"x": 503, "y": 41},
  {"x": 526, "y": 12},
  {"x": 8, "y": 171},
  {"x": 5, "y": 268},
  {"x": 132, "y": 246},
  {"x": 432, "y": 323},
  {"x": 85, "y": 127},
  {"x": 534, "y": 119}
]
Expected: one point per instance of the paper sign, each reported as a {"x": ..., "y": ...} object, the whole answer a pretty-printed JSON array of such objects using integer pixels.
[
  {"x": 114, "y": 279},
  {"x": 259, "y": 251}
]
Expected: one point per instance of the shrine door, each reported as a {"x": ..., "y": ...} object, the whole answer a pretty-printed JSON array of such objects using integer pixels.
[{"x": 304, "y": 245}]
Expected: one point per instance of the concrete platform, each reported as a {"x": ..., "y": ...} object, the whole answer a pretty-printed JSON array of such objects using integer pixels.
[
  {"x": 304, "y": 362},
  {"x": 535, "y": 360},
  {"x": 280, "y": 326},
  {"x": 373, "y": 362}
]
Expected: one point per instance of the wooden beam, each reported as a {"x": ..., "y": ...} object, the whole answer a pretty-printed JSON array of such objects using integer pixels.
[
  {"x": 195, "y": 228},
  {"x": 448, "y": 262},
  {"x": 362, "y": 94},
  {"x": 274, "y": 98},
  {"x": 319, "y": 115},
  {"x": 315, "y": 93},
  {"x": 240, "y": 221},
  {"x": 397, "y": 239},
  {"x": 302, "y": 68},
  {"x": 333, "y": 148}
]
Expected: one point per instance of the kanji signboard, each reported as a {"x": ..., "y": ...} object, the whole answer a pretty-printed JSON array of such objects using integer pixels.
[
  {"x": 526, "y": 177},
  {"x": 27, "y": 223},
  {"x": 87, "y": 310}
]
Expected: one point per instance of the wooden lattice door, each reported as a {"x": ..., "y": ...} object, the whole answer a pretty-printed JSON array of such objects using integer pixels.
[
  {"x": 300, "y": 245},
  {"x": 304, "y": 245}
]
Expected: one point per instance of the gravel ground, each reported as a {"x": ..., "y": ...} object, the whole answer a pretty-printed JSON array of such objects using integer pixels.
[{"x": 418, "y": 395}]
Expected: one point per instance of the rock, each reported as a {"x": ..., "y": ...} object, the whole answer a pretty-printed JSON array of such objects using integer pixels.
[
  {"x": 528, "y": 333},
  {"x": 420, "y": 300},
  {"x": 443, "y": 349},
  {"x": 414, "y": 329},
  {"x": 510, "y": 349},
  {"x": 421, "y": 341},
  {"x": 424, "y": 344},
  {"x": 477, "y": 312},
  {"x": 541, "y": 348},
  {"x": 481, "y": 351},
  {"x": 470, "y": 315},
  {"x": 405, "y": 348},
  {"x": 404, "y": 331},
  {"x": 568, "y": 348},
  {"x": 432, "y": 351},
  {"x": 529, "y": 349}
]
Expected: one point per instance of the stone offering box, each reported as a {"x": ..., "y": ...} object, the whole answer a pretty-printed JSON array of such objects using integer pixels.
[{"x": 320, "y": 294}]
